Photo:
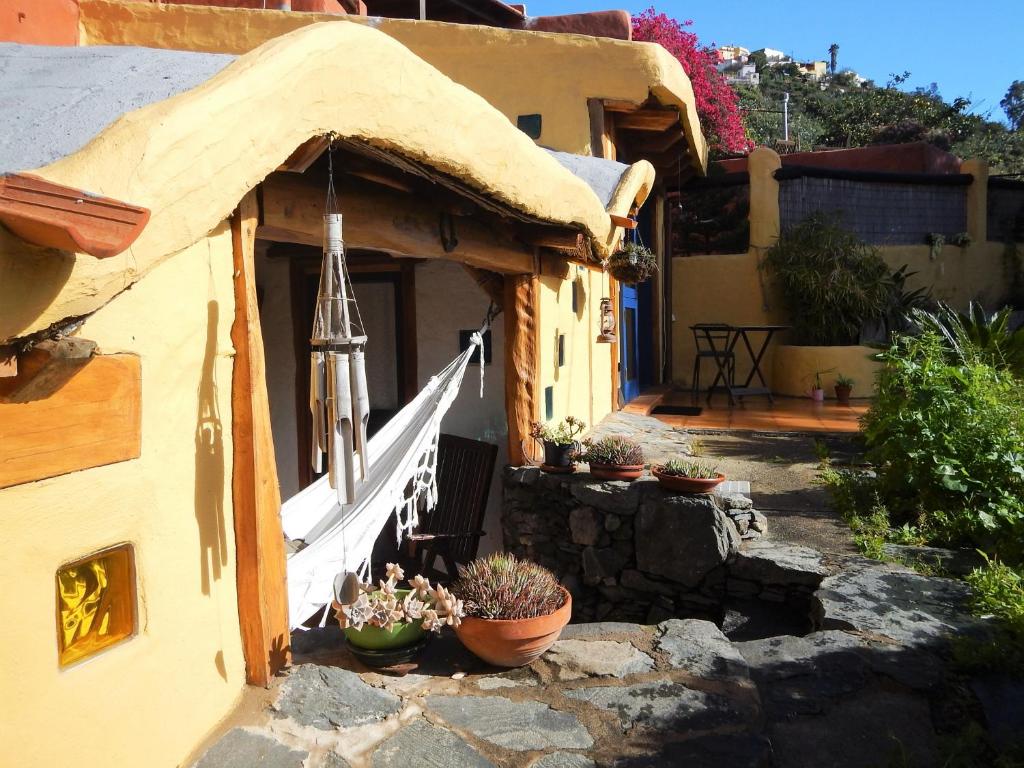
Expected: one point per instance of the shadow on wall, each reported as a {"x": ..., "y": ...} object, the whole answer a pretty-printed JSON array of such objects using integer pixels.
[
  {"x": 209, "y": 483},
  {"x": 31, "y": 278}
]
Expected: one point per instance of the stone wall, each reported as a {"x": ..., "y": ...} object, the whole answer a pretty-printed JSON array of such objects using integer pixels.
[{"x": 633, "y": 552}]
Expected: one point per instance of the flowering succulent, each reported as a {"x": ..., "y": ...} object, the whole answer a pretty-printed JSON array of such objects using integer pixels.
[
  {"x": 692, "y": 469},
  {"x": 563, "y": 432},
  {"x": 385, "y": 606},
  {"x": 500, "y": 586},
  {"x": 617, "y": 451}
]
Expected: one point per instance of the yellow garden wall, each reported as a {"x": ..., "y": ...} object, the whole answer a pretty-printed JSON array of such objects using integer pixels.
[
  {"x": 583, "y": 385},
  {"x": 794, "y": 367},
  {"x": 162, "y": 690}
]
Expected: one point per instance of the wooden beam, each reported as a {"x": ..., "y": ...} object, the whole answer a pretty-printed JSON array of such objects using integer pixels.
[
  {"x": 94, "y": 418},
  {"x": 259, "y": 540},
  {"x": 596, "y": 109},
  {"x": 382, "y": 220},
  {"x": 302, "y": 158},
  {"x": 648, "y": 120},
  {"x": 47, "y": 368},
  {"x": 492, "y": 284},
  {"x": 613, "y": 295},
  {"x": 522, "y": 325},
  {"x": 614, "y": 105},
  {"x": 622, "y": 221},
  {"x": 384, "y": 180}
]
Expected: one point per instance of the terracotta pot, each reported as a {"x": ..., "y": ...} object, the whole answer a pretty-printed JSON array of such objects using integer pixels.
[
  {"x": 679, "y": 484},
  {"x": 843, "y": 394},
  {"x": 514, "y": 642},
  {"x": 616, "y": 471}
]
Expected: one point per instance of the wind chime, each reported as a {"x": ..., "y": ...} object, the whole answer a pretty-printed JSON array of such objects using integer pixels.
[{"x": 338, "y": 397}]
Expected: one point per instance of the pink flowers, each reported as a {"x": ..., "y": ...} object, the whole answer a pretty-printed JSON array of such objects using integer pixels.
[
  {"x": 717, "y": 104},
  {"x": 385, "y": 606}
]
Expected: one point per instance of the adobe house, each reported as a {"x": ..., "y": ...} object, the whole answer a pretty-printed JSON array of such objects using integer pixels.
[{"x": 154, "y": 243}]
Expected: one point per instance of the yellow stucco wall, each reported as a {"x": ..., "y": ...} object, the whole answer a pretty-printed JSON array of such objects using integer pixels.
[
  {"x": 794, "y": 367},
  {"x": 732, "y": 289},
  {"x": 518, "y": 72},
  {"x": 583, "y": 385},
  {"x": 149, "y": 700}
]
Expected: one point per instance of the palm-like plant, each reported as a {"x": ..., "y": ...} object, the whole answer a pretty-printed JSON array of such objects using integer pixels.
[{"x": 976, "y": 335}]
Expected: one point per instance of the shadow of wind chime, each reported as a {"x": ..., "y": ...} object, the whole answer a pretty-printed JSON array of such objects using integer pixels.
[{"x": 338, "y": 396}]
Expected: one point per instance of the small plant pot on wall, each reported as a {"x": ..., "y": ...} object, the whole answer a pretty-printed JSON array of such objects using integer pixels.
[
  {"x": 613, "y": 458},
  {"x": 515, "y": 609},
  {"x": 616, "y": 471},
  {"x": 558, "y": 443},
  {"x": 687, "y": 476}
]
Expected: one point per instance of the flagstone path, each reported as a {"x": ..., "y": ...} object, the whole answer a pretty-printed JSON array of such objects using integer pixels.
[{"x": 873, "y": 684}]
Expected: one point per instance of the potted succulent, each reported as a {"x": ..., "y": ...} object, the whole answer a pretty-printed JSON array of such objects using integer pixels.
[
  {"x": 632, "y": 264},
  {"x": 682, "y": 476},
  {"x": 844, "y": 388},
  {"x": 613, "y": 458},
  {"x": 515, "y": 609},
  {"x": 559, "y": 442},
  {"x": 385, "y": 625}
]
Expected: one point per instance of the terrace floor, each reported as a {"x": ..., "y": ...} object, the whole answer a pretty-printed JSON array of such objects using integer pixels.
[{"x": 754, "y": 414}]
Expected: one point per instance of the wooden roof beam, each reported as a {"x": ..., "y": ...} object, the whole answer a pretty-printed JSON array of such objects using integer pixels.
[{"x": 648, "y": 120}]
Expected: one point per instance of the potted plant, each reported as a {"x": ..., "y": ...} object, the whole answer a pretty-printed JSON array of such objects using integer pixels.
[
  {"x": 682, "y": 476},
  {"x": 559, "y": 442},
  {"x": 632, "y": 264},
  {"x": 385, "y": 625},
  {"x": 515, "y": 609},
  {"x": 613, "y": 458},
  {"x": 818, "y": 391},
  {"x": 844, "y": 388}
]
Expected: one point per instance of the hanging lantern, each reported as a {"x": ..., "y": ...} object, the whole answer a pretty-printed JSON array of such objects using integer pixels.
[
  {"x": 338, "y": 396},
  {"x": 607, "y": 335}
]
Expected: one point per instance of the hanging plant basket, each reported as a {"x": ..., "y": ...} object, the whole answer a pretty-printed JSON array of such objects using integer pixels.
[{"x": 633, "y": 264}]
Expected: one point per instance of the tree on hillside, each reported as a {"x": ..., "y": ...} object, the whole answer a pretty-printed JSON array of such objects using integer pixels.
[
  {"x": 833, "y": 57},
  {"x": 1013, "y": 104},
  {"x": 717, "y": 104}
]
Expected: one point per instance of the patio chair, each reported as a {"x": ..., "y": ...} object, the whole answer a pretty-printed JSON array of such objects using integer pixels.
[
  {"x": 453, "y": 529},
  {"x": 711, "y": 341}
]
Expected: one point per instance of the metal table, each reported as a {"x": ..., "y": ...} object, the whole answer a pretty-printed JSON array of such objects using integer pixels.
[{"x": 737, "y": 333}]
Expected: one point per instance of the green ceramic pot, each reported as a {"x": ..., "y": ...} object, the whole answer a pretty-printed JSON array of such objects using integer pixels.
[{"x": 380, "y": 639}]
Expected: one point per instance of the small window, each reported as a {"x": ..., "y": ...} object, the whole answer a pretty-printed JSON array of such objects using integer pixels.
[
  {"x": 464, "y": 340},
  {"x": 561, "y": 350},
  {"x": 549, "y": 403},
  {"x": 95, "y": 603},
  {"x": 530, "y": 125}
]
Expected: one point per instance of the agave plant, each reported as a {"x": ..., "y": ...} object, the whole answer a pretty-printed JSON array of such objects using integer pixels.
[
  {"x": 500, "y": 586},
  {"x": 616, "y": 451},
  {"x": 976, "y": 335}
]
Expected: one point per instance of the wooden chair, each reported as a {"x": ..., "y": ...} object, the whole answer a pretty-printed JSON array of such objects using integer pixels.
[
  {"x": 711, "y": 340},
  {"x": 453, "y": 529}
]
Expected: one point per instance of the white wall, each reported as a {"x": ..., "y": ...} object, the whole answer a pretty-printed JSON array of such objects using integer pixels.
[{"x": 449, "y": 300}]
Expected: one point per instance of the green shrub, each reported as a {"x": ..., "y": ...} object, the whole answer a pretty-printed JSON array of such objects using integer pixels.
[
  {"x": 947, "y": 441},
  {"x": 831, "y": 282},
  {"x": 997, "y": 592}
]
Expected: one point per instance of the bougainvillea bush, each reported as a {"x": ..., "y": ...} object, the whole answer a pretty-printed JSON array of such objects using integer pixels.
[{"x": 717, "y": 104}]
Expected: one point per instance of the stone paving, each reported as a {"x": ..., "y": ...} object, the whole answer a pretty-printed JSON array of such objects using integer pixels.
[{"x": 870, "y": 686}]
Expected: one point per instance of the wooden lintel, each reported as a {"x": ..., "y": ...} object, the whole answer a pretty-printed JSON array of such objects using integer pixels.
[
  {"x": 648, "y": 120},
  {"x": 47, "y": 368},
  {"x": 259, "y": 540},
  {"x": 522, "y": 306},
  {"x": 622, "y": 221},
  {"x": 302, "y": 158},
  {"x": 555, "y": 239},
  {"x": 383, "y": 220},
  {"x": 94, "y": 418},
  {"x": 614, "y": 105}
]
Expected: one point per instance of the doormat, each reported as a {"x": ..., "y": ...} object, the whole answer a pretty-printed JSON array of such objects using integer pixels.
[{"x": 677, "y": 410}]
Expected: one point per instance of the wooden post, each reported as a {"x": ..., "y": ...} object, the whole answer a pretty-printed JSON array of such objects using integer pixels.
[
  {"x": 613, "y": 295},
  {"x": 521, "y": 327},
  {"x": 259, "y": 541}
]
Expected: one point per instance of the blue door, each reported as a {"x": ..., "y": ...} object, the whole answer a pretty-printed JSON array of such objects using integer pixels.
[{"x": 629, "y": 368}]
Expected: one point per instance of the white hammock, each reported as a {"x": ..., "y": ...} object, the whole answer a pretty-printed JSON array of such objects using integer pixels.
[{"x": 403, "y": 464}]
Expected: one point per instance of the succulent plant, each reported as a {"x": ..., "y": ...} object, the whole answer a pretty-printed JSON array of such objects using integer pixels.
[
  {"x": 500, "y": 586},
  {"x": 384, "y": 605},
  {"x": 616, "y": 450},
  {"x": 699, "y": 470},
  {"x": 563, "y": 432}
]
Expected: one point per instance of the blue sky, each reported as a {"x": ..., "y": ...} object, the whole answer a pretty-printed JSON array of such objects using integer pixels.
[{"x": 969, "y": 49}]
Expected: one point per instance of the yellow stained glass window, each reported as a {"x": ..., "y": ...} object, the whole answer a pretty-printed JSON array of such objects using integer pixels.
[{"x": 95, "y": 603}]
